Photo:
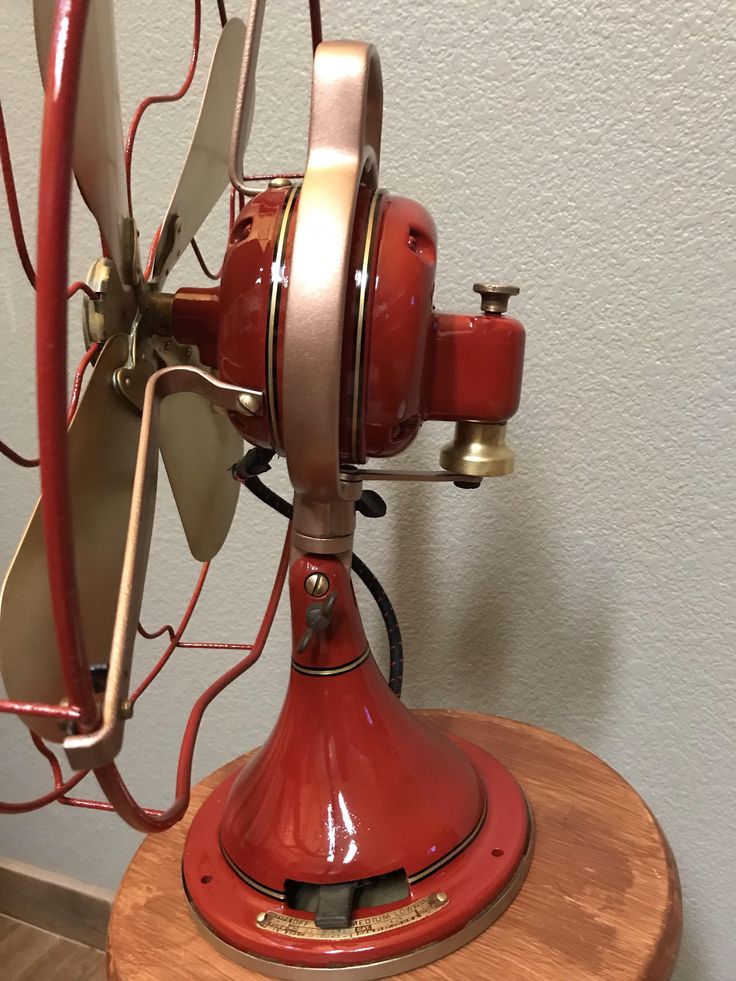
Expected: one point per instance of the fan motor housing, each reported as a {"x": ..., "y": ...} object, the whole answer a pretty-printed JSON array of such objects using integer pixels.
[{"x": 402, "y": 362}]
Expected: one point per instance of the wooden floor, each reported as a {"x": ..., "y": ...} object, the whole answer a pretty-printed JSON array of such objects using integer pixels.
[{"x": 29, "y": 954}]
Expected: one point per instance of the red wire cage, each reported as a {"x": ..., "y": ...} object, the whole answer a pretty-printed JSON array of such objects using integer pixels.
[{"x": 56, "y": 408}]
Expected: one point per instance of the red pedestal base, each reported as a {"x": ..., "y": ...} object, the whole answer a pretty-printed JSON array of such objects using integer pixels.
[{"x": 443, "y": 911}]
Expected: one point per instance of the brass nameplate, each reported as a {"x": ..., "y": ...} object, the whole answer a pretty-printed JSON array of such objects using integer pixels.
[{"x": 368, "y": 926}]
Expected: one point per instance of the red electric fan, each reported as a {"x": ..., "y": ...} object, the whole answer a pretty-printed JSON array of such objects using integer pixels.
[{"x": 358, "y": 840}]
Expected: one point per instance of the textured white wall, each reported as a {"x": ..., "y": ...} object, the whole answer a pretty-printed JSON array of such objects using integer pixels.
[{"x": 585, "y": 151}]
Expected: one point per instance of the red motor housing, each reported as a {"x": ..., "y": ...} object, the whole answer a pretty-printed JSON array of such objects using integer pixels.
[{"x": 402, "y": 362}]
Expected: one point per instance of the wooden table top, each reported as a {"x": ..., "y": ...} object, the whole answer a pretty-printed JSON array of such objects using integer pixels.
[{"x": 601, "y": 900}]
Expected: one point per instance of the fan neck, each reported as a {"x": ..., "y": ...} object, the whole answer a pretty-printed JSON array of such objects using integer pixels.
[{"x": 324, "y": 527}]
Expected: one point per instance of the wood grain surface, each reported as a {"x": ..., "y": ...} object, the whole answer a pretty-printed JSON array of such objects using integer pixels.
[{"x": 601, "y": 901}]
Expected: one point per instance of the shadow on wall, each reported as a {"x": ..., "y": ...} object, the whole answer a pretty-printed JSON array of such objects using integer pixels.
[
  {"x": 495, "y": 616},
  {"x": 512, "y": 605}
]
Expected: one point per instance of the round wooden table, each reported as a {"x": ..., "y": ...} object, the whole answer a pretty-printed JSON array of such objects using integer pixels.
[{"x": 601, "y": 901}]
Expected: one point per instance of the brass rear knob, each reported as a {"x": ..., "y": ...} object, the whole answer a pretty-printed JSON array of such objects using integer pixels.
[
  {"x": 478, "y": 450},
  {"x": 494, "y": 297}
]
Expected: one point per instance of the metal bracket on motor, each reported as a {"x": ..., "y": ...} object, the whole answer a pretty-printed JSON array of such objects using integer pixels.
[
  {"x": 148, "y": 354},
  {"x": 356, "y": 474}
]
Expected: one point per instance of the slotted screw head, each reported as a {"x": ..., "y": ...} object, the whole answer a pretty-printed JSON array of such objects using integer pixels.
[
  {"x": 494, "y": 297},
  {"x": 317, "y": 584},
  {"x": 250, "y": 402}
]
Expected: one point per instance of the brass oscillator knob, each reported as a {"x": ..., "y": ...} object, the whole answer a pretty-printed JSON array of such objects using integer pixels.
[{"x": 478, "y": 449}]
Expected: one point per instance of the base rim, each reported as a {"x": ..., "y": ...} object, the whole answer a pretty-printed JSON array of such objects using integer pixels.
[{"x": 388, "y": 967}]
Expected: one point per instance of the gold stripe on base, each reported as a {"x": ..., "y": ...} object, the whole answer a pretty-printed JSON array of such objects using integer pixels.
[
  {"x": 253, "y": 883},
  {"x": 330, "y": 672},
  {"x": 436, "y": 866}
]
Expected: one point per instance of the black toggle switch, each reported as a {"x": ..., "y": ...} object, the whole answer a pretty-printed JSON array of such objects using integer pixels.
[
  {"x": 371, "y": 505},
  {"x": 335, "y": 906}
]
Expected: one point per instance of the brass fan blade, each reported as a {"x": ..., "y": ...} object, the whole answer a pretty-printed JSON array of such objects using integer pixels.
[
  {"x": 199, "y": 444},
  {"x": 98, "y": 159},
  {"x": 205, "y": 173},
  {"x": 103, "y": 442}
]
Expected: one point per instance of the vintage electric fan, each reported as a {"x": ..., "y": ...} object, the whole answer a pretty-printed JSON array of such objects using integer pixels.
[{"x": 358, "y": 839}]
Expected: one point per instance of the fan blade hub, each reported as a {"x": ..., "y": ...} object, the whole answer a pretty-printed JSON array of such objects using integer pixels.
[{"x": 114, "y": 310}]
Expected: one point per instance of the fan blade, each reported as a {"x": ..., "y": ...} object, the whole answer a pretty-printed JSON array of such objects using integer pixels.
[
  {"x": 205, "y": 173},
  {"x": 199, "y": 444},
  {"x": 102, "y": 445},
  {"x": 97, "y": 157}
]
